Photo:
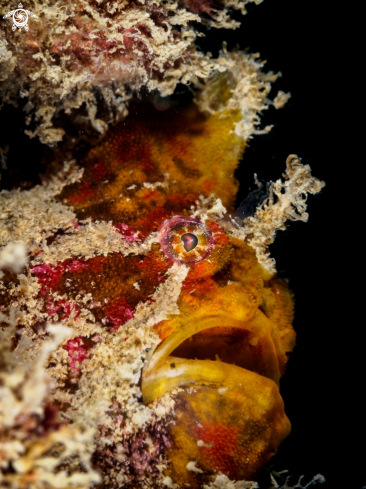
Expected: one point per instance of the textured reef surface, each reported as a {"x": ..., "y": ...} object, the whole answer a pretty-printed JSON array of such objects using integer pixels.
[
  {"x": 145, "y": 331},
  {"x": 84, "y": 61}
]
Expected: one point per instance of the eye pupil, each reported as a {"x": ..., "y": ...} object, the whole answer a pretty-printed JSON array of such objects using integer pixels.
[{"x": 190, "y": 241}]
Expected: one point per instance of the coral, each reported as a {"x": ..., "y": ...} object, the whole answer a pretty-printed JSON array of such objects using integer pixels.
[
  {"x": 244, "y": 87},
  {"x": 14, "y": 257},
  {"x": 315, "y": 480},
  {"x": 136, "y": 455},
  {"x": 155, "y": 338},
  {"x": 94, "y": 53},
  {"x": 77, "y": 351},
  {"x": 223, "y": 482},
  {"x": 286, "y": 201},
  {"x": 94, "y": 56},
  {"x": 32, "y": 216},
  {"x": 34, "y": 445}
]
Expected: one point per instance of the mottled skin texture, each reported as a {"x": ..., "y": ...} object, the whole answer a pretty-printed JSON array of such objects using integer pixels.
[
  {"x": 231, "y": 309},
  {"x": 199, "y": 154},
  {"x": 239, "y": 430}
]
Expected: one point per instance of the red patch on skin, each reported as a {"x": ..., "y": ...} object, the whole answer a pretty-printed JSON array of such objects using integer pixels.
[
  {"x": 77, "y": 351},
  {"x": 99, "y": 171},
  {"x": 75, "y": 265},
  {"x": 63, "y": 308},
  {"x": 129, "y": 38},
  {"x": 201, "y": 6},
  {"x": 153, "y": 270},
  {"x": 202, "y": 288},
  {"x": 221, "y": 238},
  {"x": 132, "y": 150},
  {"x": 225, "y": 447},
  {"x": 162, "y": 330},
  {"x": 50, "y": 422},
  {"x": 84, "y": 192},
  {"x": 150, "y": 194},
  {"x": 202, "y": 269},
  {"x": 96, "y": 264},
  {"x": 119, "y": 312},
  {"x": 127, "y": 232},
  {"x": 109, "y": 280},
  {"x": 177, "y": 202},
  {"x": 153, "y": 220},
  {"x": 50, "y": 276},
  {"x": 208, "y": 186}
]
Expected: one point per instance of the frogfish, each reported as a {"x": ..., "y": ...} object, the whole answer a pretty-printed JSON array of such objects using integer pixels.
[{"x": 161, "y": 325}]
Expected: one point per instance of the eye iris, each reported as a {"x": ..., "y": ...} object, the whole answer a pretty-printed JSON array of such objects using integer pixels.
[
  {"x": 186, "y": 240},
  {"x": 190, "y": 241}
]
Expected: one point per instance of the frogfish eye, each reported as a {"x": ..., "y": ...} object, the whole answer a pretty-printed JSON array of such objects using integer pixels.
[
  {"x": 190, "y": 241},
  {"x": 186, "y": 240}
]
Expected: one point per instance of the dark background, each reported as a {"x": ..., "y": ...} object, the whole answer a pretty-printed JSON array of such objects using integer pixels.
[{"x": 323, "y": 386}]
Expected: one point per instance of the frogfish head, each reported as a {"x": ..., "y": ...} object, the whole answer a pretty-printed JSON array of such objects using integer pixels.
[{"x": 222, "y": 347}]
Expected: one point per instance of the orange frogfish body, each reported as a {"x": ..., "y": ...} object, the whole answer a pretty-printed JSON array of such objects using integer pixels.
[
  {"x": 218, "y": 353},
  {"x": 223, "y": 355}
]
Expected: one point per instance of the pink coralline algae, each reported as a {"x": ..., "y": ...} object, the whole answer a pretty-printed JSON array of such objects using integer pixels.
[
  {"x": 50, "y": 276},
  {"x": 144, "y": 452},
  {"x": 129, "y": 234},
  {"x": 119, "y": 312},
  {"x": 78, "y": 351},
  {"x": 63, "y": 308}
]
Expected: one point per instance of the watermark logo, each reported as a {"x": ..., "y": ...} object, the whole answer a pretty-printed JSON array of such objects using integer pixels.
[{"x": 20, "y": 17}]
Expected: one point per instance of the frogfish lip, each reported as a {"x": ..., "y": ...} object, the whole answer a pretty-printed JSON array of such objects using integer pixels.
[
  {"x": 227, "y": 418},
  {"x": 226, "y": 348}
]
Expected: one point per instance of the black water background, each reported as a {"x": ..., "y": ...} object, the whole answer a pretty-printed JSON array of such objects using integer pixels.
[{"x": 322, "y": 388}]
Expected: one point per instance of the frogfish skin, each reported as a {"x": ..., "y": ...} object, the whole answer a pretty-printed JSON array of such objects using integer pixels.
[
  {"x": 220, "y": 355},
  {"x": 225, "y": 353}
]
